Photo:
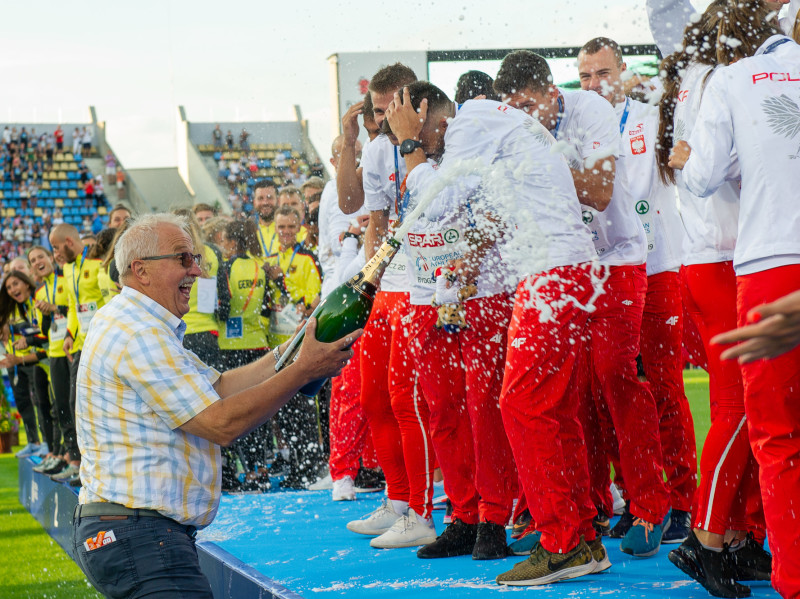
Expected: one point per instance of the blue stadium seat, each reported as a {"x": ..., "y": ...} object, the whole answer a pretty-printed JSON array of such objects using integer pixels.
[
  {"x": 81, "y": 193},
  {"x": 217, "y": 156},
  {"x": 72, "y": 175},
  {"x": 72, "y": 185},
  {"x": 8, "y": 186},
  {"x": 77, "y": 158}
]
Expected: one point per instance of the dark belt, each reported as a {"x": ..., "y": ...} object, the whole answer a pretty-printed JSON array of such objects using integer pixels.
[{"x": 112, "y": 509}]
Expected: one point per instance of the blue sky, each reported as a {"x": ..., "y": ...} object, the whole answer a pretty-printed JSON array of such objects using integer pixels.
[{"x": 135, "y": 62}]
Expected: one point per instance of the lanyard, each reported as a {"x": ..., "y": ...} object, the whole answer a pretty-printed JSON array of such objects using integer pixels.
[
  {"x": 267, "y": 252},
  {"x": 294, "y": 253},
  {"x": 55, "y": 288},
  {"x": 32, "y": 311},
  {"x": 252, "y": 286},
  {"x": 400, "y": 199},
  {"x": 406, "y": 195},
  {"x": 775, "y": 44},
  {"x": 560, "y": 115},
  {"x": 76, "y": 281},
  {"x": 625, "y": 114}
]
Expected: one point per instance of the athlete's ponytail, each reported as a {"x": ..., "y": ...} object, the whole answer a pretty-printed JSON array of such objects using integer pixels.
[
  {"x": 699, "y": 45},
  {"x": 744, "y": 26}
]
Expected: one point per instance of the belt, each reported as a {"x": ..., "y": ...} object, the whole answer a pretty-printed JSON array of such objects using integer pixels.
[{"x": 112, "y": 509}]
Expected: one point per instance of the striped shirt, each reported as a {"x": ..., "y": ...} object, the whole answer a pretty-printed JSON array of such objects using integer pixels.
[{"x": 136, "y": 386}]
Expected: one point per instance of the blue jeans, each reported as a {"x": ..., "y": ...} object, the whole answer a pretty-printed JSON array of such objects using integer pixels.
[{"x": 151, "y": 557}]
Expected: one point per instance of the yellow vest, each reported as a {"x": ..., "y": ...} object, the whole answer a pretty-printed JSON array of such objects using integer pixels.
[
  {"x": 268, "y": 238},
  {"x": 199, "y": 322},
  {"x": 301, "y": 277},
  {"x": 108, "y": 288},
  {"x": 53, "y": 291},
  {"x": 244, "y": 328},
  {"x": 80, "y": 280}
]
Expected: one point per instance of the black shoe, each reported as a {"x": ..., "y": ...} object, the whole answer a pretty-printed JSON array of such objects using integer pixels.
[
  {"x": 679, "y": 528},
  {"x": 56, "y": 468},
  {"x": 752, "y": 562},
  {"x": 295, "y": 481},
  {"x": 369, "y": 481},
  {"x": 625, "y": 523},
  {"x": 279, "y": 466},
  {"x": 520, "y": 524},
  {"x": 601, "y": 523},
  {"x": 712, "y": 569},
  {"x": 457, "y": 539},
  {"x": 490, "y": 542},
  {"x": 74, "y": 481}
]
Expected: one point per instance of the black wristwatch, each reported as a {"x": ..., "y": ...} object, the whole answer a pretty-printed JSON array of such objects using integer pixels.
[{"x": 409, "y": 145}]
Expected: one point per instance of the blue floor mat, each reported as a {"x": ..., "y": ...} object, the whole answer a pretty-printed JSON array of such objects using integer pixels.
[{"x": 299, "y": 540}]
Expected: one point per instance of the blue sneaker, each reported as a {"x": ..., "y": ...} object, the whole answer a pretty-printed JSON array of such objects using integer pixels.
[
  {"x": 525, "y": 545},
  {"x": 644, "y": 538},
  {"x": 29, "y": 450},
  {"x": 680, "y": 525}
]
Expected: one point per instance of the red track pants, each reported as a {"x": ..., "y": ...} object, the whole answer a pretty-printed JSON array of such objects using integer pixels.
[
  {"x": 660, "y": 345},
  {"x": 545, "y": 335},
  {"x": 397, "y": 414},
  {"x": 621, "y": 399},
  {"x": 350, "y": 438},
  {"x": 461, "y": 376},
  {"x": 728, "y": 476},
  {"x": 772, "y": 402}
]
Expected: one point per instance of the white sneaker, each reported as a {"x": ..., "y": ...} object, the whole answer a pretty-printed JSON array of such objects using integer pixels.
[
  {"x": 619, "y": 502},
  {"x": 323, "y": 484},
  {"x": 43, "y": 450},
  {"x": 410, "y": 530},
  {"x": 343, "y": 489},
  {"x": 376, "y": 523},
  {"x": 29, "y": 450}
]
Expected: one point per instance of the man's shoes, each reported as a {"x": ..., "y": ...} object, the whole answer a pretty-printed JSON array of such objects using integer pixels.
[
  {"x": 679, "y": 528},
  {"x": 490, "y": 542},
  {"x": 410, "y": 530},
  {"x": 369, "y": 480},
  {"x": 752, "y": 561},
  {"x": 621, "y": 528},
  {"x": 49, "y": 463},
  {"x": 29, "y": 450},
  {"x": 601, "y": 523},
  {"x": 44, "y": 449},
  {"x": 66, "y": 474},
  {"x": 343, "y": 489},
  {"x": 543, "y": 567},
  {"x": 600, "y": 555},
  {"x": 322, "y": 484},
  {"x": 279, "y": 466},
  {"x": 526, "y": 544},
  {"x": 520, "y": 524},
  {"x": 377, "y": 522},
  {"x": 644, "y": 538},
  {"x": 74, "y": 481},
  {"x": 457, "y": 539},
  {"x": 448, "y": 512},
  {"x": 712, "y": 569},
  {"x": 619, "y": 502}
]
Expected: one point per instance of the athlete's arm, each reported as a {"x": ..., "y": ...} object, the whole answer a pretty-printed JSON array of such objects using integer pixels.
[
  {"x": 349, "y": 184},
  {"x": 376, "y": 232},
  {"x": 595, "y": 183}
]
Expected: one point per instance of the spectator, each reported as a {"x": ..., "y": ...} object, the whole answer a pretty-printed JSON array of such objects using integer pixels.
[
  {"x": 118, "y": 215},
  {"x": 59, "y": 138},
  {"x": 311, "y": 187},
  {"x": 111, "y": 166},
  {"x": 217, "y": 136},
  {"x": 203, "y": 212},
  {"x": 86, "y": 140},
  {"x": 120, "y": 183},
  {"x": 229, "y": 139},
  {"x": 243, "y": 144},
  {"x": 77, "y": 139}
]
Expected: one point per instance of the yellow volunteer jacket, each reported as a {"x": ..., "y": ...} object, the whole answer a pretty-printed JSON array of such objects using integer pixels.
[
  {"x": 303, "y": 283},
  {"x": 200, "y": 322},
  {"x": 246, "y": 285},
  {"x": 85, "y": 298},
  {"x": 108, "y": 288},
  {"x": 54, "y": 291}
]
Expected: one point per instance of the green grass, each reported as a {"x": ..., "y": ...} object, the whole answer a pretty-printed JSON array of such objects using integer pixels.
[{"x": 36, "y": 567}]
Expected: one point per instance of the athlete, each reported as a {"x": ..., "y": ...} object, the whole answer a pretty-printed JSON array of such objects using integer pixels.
[{"x": 745, "y": 109}]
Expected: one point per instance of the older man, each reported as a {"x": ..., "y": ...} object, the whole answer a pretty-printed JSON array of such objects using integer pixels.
[{"x": 152, "y": 416}]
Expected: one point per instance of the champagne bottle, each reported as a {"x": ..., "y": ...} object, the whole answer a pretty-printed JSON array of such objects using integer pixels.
[{"x": 346, "y": 309}]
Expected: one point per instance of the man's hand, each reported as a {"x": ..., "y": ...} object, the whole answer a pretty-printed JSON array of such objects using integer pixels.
[
  {"x": 273, "y": 272},
  {"x": 350, "y": 122},
  {"x": 467, "y": 271},
  {"x": 20, "y": 344},
  {"x": 406, "y": 123},
  {"x": 10, "y": 360},
  {"x": 679, "y": 155},
  {"x": 67, "y": 347},
  {"x": 324, "y": 360},
  {"x": 775, "y": 331},
  {"x": 45, "y": 308}
]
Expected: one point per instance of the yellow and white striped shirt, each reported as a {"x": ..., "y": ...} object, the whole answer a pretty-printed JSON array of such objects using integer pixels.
[{"x": 136, "y": 386}]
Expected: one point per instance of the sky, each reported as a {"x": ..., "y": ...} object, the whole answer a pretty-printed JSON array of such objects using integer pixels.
[{"x": 247, "y": 61}]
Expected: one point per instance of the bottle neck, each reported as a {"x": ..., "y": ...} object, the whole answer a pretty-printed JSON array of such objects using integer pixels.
[{"x": 368, "y": 278}]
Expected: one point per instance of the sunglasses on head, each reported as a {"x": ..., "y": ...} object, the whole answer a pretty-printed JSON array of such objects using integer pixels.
[{"x": 187, "y": 259}]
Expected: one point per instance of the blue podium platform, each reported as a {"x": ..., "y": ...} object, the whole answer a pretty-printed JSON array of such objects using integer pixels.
[{"x": 288, "y": 545}]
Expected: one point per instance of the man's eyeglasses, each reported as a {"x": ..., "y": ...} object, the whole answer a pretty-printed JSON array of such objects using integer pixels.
[{"x": 188, "y": 259}]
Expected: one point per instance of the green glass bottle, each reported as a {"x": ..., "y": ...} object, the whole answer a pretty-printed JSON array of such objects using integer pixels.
[{"x": 346, "y": 309}]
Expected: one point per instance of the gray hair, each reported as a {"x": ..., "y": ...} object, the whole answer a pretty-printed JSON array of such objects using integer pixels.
[{"x": 140, "y": 240}]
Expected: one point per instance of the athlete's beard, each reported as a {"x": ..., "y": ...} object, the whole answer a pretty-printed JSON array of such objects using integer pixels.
[
  {"x": 69, "y": 255},
  {"x": 266, "y": 213}
]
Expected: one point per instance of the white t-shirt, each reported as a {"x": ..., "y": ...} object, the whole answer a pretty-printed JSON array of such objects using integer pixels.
[
  {"x": 589, "y": 131},
  {"x": 332, "y": 223},
  {"x": 501, "y": 161},
  {"x": 710, "y": 223},
  {"x": 654, "y": 203},
  {"x": 379, "y": 174},
  {"x": 752, "y": 107}
]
